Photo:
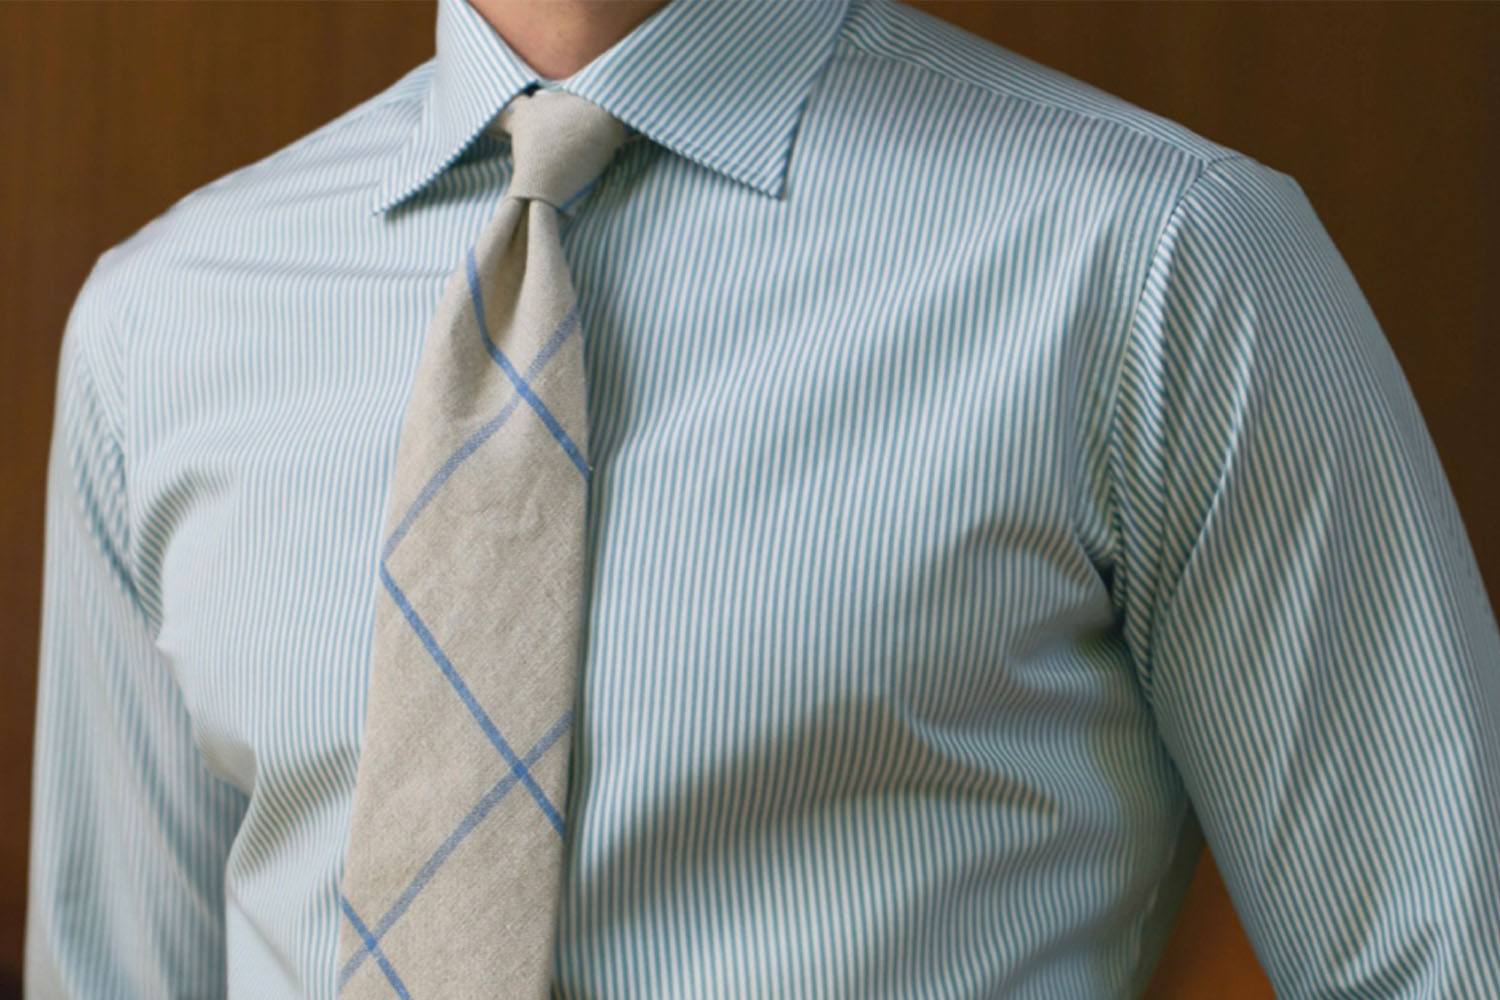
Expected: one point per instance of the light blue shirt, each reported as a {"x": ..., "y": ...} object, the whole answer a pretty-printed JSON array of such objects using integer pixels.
[{"x": 995, "y": 485}]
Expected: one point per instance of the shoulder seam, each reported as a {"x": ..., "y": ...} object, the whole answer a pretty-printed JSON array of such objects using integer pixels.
[
  {"x": 855, "y": 45},
  {"x": 118, "y": 545}
]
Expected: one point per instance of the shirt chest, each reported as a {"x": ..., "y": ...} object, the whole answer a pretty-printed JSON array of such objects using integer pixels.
[{"x": 801, "y": 486}]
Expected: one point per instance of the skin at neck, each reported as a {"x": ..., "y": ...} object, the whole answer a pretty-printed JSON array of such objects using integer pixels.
[{"x": 559, "y": 37}]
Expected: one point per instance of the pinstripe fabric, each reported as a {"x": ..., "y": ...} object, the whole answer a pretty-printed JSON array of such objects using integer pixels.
[{"x": 997, "y": 490}]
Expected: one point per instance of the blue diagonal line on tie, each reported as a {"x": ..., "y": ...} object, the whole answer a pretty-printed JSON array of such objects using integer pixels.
[
  {"x": 478, "y": 438},
  {"x": 522, "y": 386},
  {"x": 470, "y": 702},
  {"x": 373, "y": 948},
  {"x": 469, "y": 822}
]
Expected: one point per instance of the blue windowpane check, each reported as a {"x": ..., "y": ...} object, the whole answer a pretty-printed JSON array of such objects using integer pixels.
[
  {"x": 519, "y": 769},
  {"x": 430, "y": 868},
  {"x": 522, "y": 386},
  {"x": 373, "y": 948},
  {"x": 445, "y": 472},
  {"x": 470, "y": 702}
]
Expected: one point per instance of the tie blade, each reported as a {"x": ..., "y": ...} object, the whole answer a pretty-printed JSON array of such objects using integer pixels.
[{"x": 454, "y": 859}]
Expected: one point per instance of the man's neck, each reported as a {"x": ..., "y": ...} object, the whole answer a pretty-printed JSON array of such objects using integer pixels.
[{"x": 559, "y": 37}]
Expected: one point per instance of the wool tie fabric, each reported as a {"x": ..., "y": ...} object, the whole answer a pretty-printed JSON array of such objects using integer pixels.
[{"x": 455, "y": 850}]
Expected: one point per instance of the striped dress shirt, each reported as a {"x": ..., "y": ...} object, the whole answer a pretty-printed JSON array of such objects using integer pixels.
[{"x": 999, "y": 490}]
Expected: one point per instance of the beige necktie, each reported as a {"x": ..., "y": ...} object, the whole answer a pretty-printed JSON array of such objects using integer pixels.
[{"x": 455, "y": 850}]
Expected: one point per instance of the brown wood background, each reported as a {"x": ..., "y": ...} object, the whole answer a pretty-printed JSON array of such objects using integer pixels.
[{"x": 1385, "y": 113}]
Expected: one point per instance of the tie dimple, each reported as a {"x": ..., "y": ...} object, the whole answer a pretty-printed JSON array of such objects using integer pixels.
[{"x": 559, "y": 144}]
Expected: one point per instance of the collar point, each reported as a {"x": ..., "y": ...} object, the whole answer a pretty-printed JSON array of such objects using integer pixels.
[
  {"x": 770, "y": 180},
  {"x": 393, "y": 193}
]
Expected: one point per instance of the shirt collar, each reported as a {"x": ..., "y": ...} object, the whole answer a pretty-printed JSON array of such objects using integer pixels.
[{"x": 720, "y": 83}]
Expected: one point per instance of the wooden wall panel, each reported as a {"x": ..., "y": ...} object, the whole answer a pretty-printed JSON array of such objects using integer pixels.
[{"x": 1386, "y": 114}]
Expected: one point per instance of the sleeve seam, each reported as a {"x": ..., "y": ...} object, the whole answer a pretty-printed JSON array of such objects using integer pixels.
[
  {"x": 110, "y": 406},
  {"x": 1123, "y": 577}
]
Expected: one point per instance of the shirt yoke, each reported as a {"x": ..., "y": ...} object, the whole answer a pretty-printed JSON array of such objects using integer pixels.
[
  {"x": 900, "y": 33},
  {"x": 387, "y": 116}
]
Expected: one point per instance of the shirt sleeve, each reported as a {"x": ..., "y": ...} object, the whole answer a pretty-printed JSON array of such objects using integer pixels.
[
  {"x": 1304, "y": 607},
  {"x": 129, "y": 831}
]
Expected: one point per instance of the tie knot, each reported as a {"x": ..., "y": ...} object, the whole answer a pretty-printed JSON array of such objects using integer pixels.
[{"x": 559, "y": 143}]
